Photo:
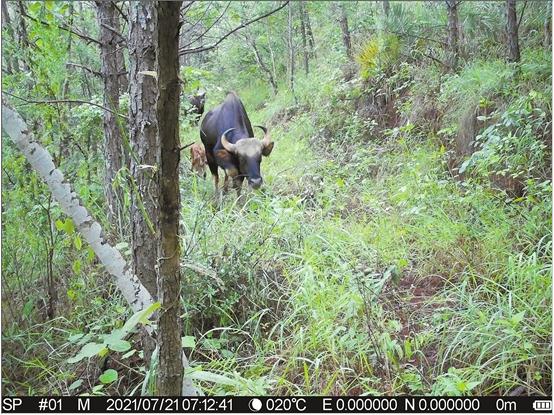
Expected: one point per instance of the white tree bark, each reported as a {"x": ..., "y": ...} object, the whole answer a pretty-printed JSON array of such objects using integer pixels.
[{"x": 40, "y": 159}]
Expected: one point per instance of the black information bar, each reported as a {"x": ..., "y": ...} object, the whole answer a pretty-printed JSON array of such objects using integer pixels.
[{"x": 365, "y": 404}]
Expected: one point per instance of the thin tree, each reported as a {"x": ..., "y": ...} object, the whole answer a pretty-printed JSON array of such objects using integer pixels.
[
  {"x": 290, "y": 45},
  {"x": 263, "y": 66},
  {"x": 453, "y": 35},
  {"x": 512, "y": 31},
  {"x": 309, "y": 32},
  {"x": 170, "y": 373},
  {"x": 386, "y": 7},
  {"x": 548, "y": 26},
  {"x": 108, "y": 17},
  {"x": 22, "y": 37},
  {"x": 7, "y": 24},
  {"x": 305, "y": 51},
  {"x": 343, "y": 21}
]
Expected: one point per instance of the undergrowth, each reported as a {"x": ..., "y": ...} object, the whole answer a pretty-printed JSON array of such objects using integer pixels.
[{"x": 361, "y": 267}]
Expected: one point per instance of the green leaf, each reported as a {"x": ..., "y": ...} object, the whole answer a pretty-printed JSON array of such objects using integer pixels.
[
  {"x": 119, "y": 345},
  {"x": 68, "y": 226},
  {"x": 108, "y": 376},
  {"x": 140, "y": 317},
  {"x": 28, "y": 308},
  {"x": 129, "y": 354},
  {"x": 188, "y": 341},
  {"x": 471, "y": 385},
  {"x": 212, "y": 377},
  {"x": 97, "y": 388},
  {"x": 76, "y": 266},
  {"x": 90, "y": 254},
  {"x": 75, "y": 384},
  {"x": 88, "y": 350},
  {"x": 71, "y": 294},
  {"x": 35, "y": 7},
  {"x": 78, "y": 242},
  {"x": 121, "y": 245},
  {"x": 75, "y": 337},
  {"x": 59, "y": 225},
  {"x": 517, "y": 318}
]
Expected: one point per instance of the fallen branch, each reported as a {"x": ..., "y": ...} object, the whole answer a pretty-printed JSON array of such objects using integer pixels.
[{"x": 241, "y": 26}]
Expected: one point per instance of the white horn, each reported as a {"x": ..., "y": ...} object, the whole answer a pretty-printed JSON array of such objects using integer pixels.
[
  {"x": 266, "y": 140},
  {"x": 226, "y": 144}
]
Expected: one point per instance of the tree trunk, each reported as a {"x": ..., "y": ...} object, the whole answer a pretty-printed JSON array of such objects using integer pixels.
[
  {"x": 453, "y": 47},
  {"x": 309, "y": 32},
  {"x": 386, "y": 7},
  {"x": 264, "y": 67},
  {"x": 343, "y": 21},
  {"x": 291, "y": 49},
  {"x": 304, "y": 39},
  {"x": 271, "y": 52},
  {"x": 170, "y": 373},
  {"x": 548, "y": 26},
  {"x": 145, "y": 150},
  {"x": 511, "y": 29},
  {"x": 107, "y": 16},
  {"x": 7, "y": 24},
  {"x": 22, "y": 35},
  {"x": 143, "y": 137}
]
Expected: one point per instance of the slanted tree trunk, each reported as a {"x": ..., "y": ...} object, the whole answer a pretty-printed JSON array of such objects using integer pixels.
[
  {"x": 453, "y": 41},
  {"x": 107, "y": 16},
  {"x": 512, "y": 31},
  {"x": 343, "y": 21},
  {"x": 304, "y": 39},
  {"x": 41, "y": 161},
  {"x": 170, "y": 373}
]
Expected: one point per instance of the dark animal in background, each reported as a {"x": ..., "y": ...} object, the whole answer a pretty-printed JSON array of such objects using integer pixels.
[
  {"x": 196, "y": 108},
  {"x": 198, "y": 159},
  {"x": 230, "y": 144}
]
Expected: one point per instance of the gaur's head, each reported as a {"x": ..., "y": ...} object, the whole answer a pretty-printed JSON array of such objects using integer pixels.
[
  {"x": 198, "y": 100},
  {"x": 249, "y": 152}
]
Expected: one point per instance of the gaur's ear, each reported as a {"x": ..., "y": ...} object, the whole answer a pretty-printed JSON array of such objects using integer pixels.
[{"x": 266, "y": 150}]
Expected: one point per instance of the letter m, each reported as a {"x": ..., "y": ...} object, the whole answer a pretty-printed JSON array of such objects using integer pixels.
[{"x": 83, "y": 404}]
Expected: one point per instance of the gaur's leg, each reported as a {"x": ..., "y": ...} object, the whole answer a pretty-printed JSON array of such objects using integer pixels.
[{"x": 213, "y": 169}]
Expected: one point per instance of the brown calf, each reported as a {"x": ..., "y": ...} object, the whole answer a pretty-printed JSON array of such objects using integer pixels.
[{"x": 198, "y": 159}]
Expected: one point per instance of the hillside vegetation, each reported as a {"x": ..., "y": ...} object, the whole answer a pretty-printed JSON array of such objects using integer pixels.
[{"x": 401, "y": 243}]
